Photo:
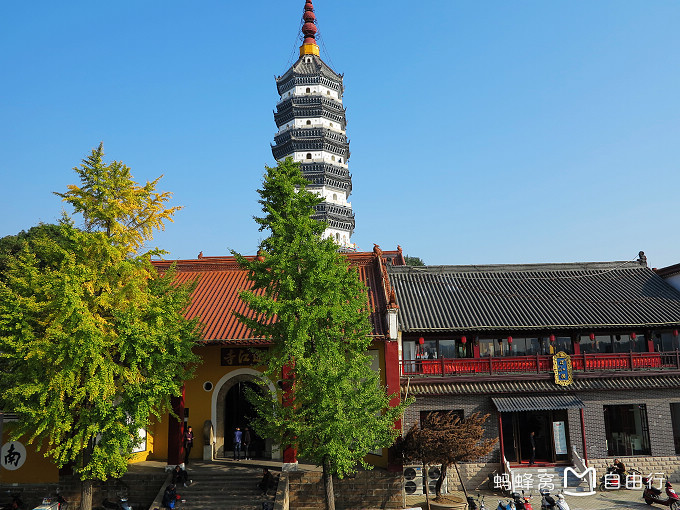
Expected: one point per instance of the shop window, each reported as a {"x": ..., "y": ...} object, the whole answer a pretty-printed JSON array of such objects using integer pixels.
[
  {"x": 626, "y": 430},
  {"x": 424, "y": 414},
  {"x": 675, "y": 420},
  {"x": 665, "y": 341}
]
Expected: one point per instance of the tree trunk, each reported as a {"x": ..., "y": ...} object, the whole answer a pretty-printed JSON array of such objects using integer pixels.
[
  {"x": 427, "y": 489},
  {"x": 455, "y": 464},
  {"x": 440, "y": 481},
  {"x": 86, "y": 495},
  {"x": 328, "y": 483}
]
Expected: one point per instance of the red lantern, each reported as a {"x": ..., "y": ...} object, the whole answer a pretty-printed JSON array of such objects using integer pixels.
[
  {"x": 421, "y": 340},
  {"x": 510, "y": 340},
  {"x": 633, "y": 335},
  {"x": 552, "y": 338},
  {"x": 592, "y": 336},
  {"x": 675, "y": 332},
  {"x": 463, "y": 340}
]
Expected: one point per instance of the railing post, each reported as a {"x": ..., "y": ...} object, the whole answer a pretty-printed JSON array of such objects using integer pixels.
[
  {"x": 538, "y": 365},
  {"x": 443, "y": 365},
  {"x": 584, "y": 362},
  {"x": 490, "y": 365},
  {"x": 677, "y": 359},
  {"x": 630, "y": 355}
]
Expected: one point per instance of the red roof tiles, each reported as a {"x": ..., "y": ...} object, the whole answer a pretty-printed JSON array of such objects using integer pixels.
[{"x": 220, "y": 280}]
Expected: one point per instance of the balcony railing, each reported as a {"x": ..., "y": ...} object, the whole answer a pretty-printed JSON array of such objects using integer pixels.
[{"x": 540, "y": 364}]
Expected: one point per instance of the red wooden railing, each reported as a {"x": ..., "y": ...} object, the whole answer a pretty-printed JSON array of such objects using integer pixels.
[{"x": 540, "y": 364}]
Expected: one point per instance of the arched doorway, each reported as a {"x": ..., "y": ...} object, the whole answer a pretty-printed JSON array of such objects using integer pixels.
[
  {"x": 230, "y": 407},
  {"x": 238, "y": 412}
]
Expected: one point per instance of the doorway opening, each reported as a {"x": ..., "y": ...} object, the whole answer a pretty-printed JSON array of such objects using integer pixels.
[
  {"x": 551, "y": 436},
  {"x": 238, "y": 412}
]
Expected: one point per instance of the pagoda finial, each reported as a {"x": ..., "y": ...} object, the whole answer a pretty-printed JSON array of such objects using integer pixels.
[{"x": 309, "y": 46}]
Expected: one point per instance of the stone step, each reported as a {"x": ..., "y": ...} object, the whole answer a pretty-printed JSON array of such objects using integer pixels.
[{"x": 236, "y": 489}]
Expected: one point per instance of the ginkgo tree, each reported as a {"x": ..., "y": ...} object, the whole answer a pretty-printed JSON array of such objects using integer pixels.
[
  {"x": 93, "y": 341},
  {"x": 313, "y": 307}
]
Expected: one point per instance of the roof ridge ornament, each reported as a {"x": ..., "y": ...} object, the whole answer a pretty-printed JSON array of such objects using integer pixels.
[{"x": 309, "y": 46}]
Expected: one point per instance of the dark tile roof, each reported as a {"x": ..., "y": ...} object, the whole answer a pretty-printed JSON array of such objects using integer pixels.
[
  {"x": 537, "y": 403},
  {"x": 533, "y": 297},
  {"x": 537, "y": 386},
  {"x": 220, "y": 280}
]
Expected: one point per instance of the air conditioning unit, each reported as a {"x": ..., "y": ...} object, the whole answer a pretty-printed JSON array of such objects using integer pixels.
[
  {"x": 433, "y": 473},
  {"x": 413, "y": 480}
]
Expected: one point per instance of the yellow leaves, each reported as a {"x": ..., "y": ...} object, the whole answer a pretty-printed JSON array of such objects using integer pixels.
[{"x": 113, "y": 203}]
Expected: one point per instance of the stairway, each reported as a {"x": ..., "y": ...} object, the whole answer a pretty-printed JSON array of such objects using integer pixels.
[{"x": 216, "y": 488}]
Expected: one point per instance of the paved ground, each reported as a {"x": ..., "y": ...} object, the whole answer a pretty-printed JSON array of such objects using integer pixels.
[{"x": 610, "y": 500}]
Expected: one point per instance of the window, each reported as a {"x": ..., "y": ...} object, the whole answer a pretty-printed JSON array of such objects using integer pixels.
[
  {"x": 309, "y": 155},
  {"x": 340, "y": 160},
  {"x": 335, "y": 196},
  {"x": 675, "y": 420},
  {"x": 332, "y": 158},
  {"x": 331, "y": 124},
  {"x": 626, "y": 430},
  {"x": 309, "y": 122},
  {"x": 665, "y": 341},
  {"x": 308, "y": 91}
]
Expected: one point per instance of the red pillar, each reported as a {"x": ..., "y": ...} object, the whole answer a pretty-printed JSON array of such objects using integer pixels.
[
  {"x": 176, "y": 431},
  {"x": 290, "y": 451},
  {"x": 392, "y": 385}
]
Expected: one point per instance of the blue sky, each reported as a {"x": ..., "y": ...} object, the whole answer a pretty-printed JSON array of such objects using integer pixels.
[{"x": 481, "y": 132}]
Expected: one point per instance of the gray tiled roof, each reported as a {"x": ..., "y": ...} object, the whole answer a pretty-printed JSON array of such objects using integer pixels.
[
  {"x": 533, "y": 297},
  {"x": 537, "y": 386},
  {"x": 315, "y": 67},
  {"x": 537, "y": 403}
]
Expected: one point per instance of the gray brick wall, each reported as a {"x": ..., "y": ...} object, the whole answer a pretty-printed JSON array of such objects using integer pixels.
[{"x": 663, "y": 458}]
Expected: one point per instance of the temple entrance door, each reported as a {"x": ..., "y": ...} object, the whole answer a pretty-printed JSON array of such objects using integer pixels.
[
  {"x": 550, "y": 435},
  {"x": 238, "y": 412}
]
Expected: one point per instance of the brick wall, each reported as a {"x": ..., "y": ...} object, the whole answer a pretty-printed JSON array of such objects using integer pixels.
[
  {"x": 140, "y": 488},
  {"x": 663, "y": 458},
  {"x": 365, "y": 489}
]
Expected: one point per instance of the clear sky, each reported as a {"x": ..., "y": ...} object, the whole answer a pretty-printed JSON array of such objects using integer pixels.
[{"x": 481, "y": 131}]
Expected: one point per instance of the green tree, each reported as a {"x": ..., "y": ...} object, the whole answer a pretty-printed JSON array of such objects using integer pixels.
[
  {"x": 93, "y": 341},
  {"x": 312, "y": 305},
  {"x": 413, "y": 261}
]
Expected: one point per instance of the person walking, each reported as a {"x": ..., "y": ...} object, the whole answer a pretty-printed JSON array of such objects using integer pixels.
[
  {"x": 532, "y": 443},
  {"x": 246, "y": 442},
  {"x": 238, "y": 435},
  {"x": 188, "y": 443}
]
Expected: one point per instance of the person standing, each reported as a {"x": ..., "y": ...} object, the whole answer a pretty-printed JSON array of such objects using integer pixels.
[
  {"x": 188, "y": 443},
  {"x": 532, "y": 443},
  {"x": 237, "y": 443},
  {"x": 246, "y": 442}
]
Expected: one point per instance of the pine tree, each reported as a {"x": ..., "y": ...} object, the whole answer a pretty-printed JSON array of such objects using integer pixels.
[{"x": 313, "y": 307}]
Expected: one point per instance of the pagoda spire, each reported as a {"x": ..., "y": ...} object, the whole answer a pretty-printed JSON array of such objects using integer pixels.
[{"x": 309, "y": 46}]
